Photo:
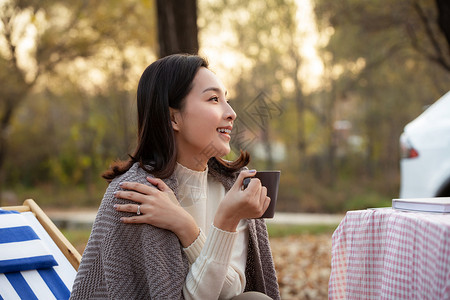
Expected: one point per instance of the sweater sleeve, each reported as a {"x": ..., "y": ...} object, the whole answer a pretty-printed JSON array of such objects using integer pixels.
[
  {"x": 218, "y": 266},
  {"x": 129, "y": 261}
]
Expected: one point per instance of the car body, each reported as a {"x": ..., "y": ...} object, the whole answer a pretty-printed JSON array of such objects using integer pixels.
[{"x": 425, "y": 153}]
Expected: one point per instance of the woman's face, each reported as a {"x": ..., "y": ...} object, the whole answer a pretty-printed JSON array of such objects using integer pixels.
[{"x": 202, "y": 128}]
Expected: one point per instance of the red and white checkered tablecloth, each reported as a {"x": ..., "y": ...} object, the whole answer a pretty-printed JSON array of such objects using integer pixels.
[{"x": 391, "y": 254}]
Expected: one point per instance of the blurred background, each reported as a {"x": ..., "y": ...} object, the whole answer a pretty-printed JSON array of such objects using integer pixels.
[{"x": 322, "y": 89}]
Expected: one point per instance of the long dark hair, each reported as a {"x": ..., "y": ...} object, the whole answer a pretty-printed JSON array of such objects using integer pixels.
[{"x": 165, "y": 83}]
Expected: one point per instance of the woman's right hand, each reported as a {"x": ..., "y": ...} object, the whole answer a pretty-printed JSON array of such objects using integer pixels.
[
  {"x": 158, "y": 207},
  {"x": 241, "y": 204}
]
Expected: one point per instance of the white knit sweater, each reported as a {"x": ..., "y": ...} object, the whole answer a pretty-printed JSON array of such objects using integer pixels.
[{"x": 215, "y": 254}]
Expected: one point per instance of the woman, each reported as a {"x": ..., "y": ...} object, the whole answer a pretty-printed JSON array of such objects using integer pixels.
[{"x": 174, "y": 222}]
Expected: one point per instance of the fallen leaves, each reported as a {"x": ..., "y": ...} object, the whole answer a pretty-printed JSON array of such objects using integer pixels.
[{"x": 303, "y": 265}]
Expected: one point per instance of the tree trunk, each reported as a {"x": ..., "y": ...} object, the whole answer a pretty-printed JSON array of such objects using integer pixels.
[
  {"x": 443, "y": 7},
  {"x": 177, "y": 27},
  {"x": 300, "y": 110},
  {"x": 9, "y": 108},
  {"x": 332, "y": 139},
  {"x": 268, "y": 149}
]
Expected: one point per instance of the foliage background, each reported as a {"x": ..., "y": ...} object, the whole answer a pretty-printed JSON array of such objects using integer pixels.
[{"x": 69, "y": 70}]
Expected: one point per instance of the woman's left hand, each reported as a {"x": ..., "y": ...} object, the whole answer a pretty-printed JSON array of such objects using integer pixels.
[{"x": 158, "y": 207}]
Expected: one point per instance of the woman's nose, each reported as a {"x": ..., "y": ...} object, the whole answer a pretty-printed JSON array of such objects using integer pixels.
[{"x": 229, "y": 113}]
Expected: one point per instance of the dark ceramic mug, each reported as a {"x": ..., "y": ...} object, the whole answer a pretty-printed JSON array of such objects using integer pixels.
[{"x": 271, "y": 180}]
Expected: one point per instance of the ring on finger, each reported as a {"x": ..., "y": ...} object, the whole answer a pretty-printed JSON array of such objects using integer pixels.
[{"x": 138, "y": 210}]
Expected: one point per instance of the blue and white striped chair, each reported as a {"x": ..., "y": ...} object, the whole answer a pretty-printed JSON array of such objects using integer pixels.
[{"x": 36, "y": 261}]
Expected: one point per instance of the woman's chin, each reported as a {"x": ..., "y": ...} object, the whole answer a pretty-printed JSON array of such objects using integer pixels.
[{"x": 223, "y": 151}]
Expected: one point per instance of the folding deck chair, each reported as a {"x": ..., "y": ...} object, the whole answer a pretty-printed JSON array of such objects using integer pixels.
[{"x": 36, "y": 260}]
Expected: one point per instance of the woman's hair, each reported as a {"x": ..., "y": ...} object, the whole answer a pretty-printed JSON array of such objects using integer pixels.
[{"x": 165, "y": 83}]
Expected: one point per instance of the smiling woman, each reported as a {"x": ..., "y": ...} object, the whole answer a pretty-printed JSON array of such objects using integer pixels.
[{"x": 174, "y": 222}]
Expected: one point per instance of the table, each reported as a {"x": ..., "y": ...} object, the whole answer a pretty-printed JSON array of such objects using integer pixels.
[{"x": 391, "y": 254}]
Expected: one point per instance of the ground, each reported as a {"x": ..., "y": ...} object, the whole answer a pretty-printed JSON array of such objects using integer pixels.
[{"x": 303, "y": 264}]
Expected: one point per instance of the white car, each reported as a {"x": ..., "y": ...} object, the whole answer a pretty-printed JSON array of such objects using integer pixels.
[{"x": 425, "y": 153}]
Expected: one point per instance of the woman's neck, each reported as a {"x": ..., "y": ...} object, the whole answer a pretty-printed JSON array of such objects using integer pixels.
[{"x": 194, "y": 163}]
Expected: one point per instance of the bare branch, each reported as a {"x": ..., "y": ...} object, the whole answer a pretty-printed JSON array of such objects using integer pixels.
[{"x": 438, "y": 56}]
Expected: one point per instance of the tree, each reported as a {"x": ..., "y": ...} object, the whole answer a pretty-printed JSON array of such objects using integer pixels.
[
  {"x": 435, "y": 25},
  {"x": 374, "y": 49},
  {"x": 22, "y": 22},
  {"x": 177, "y": 27},
  {"x": 62, "y": 35},
  {"x": 443, "y": 8}
]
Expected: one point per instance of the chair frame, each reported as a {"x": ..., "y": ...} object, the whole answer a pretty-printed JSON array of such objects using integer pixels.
[{"x": 69, "y": 251}]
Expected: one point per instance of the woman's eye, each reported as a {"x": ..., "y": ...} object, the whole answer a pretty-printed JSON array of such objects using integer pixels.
[{"x": 216, "y": 99}]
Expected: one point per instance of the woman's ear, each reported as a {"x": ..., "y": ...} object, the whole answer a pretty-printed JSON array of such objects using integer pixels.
[{"x": 174, "y": 118}]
